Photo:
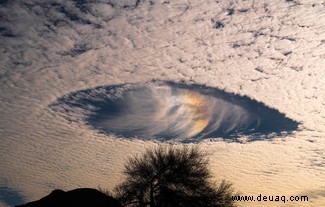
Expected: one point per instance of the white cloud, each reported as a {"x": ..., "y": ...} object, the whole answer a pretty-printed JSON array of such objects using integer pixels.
[{"x": 270, "y": 51}]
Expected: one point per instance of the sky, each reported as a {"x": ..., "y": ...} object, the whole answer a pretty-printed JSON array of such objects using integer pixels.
[{"x": 149, "y": 59}]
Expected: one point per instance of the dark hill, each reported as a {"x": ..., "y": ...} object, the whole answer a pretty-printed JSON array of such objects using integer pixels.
[{"x": 81, "y": 197}]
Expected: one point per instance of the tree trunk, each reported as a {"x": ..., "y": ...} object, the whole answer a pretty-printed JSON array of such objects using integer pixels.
[{"x": 152, "y": 200}]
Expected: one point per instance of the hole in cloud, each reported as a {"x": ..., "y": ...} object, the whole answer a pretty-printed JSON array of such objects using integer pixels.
[
  {"x": 218, "y": 25},
  {"x": 230, "y": 11},
  {"x": 10, "y": 197},
  {"x": 173, "y": 111}
]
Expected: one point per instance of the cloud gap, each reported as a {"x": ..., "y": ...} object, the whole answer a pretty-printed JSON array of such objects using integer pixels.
[
  {"x": 169, "y": 111},
  {"x": 10, "y": 196}
]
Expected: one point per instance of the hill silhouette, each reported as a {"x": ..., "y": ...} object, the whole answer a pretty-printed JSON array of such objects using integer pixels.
[{"x": 81, "y": 197}]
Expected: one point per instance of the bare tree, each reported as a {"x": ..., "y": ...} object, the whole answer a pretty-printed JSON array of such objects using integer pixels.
[{"x": 172, "y": 177}]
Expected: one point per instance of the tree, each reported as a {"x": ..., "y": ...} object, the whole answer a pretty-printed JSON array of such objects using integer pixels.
[{"x": 172, "y": 177}]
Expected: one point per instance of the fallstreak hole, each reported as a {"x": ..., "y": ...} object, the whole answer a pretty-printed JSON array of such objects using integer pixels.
[{"x": 173, "y": 111}]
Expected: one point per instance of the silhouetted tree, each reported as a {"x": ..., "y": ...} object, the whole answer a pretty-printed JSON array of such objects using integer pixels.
[{"x": 172, "y": 177}]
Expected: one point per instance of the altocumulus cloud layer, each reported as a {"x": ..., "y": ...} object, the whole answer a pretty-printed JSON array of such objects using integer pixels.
[
  {"x": 269, "y": 51},
  {"x": 170, "y": 111}
]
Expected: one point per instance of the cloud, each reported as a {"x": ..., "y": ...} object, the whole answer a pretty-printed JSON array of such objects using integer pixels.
[
  {"x": 315, "y": 193},
  {"x": 271, "y": 52}
]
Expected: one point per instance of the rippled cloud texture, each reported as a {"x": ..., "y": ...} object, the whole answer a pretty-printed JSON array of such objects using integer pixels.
[{"x": 271, "y": 52}]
